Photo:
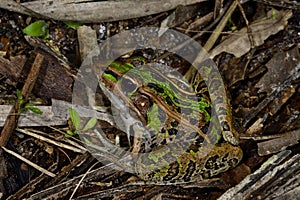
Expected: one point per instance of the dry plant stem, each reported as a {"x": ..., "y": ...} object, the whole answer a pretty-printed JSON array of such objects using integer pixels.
[
  {"x": 59, "y": 144},
  {"x": 212, "y": 39},
  {"x": 12, "y": 120},
  {"x": 82, "y": 178},
  {"x": 29, "y": 162}
]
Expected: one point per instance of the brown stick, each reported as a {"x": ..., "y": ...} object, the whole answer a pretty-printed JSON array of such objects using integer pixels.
[{"x": 12, "y": 120}]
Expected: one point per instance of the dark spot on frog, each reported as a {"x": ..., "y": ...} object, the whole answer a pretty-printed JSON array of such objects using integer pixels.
[
  {"x": 153, "y": 145},
  {"x": 172, "y": 171},
  {"x": 152, "y": 134},
  {"x": 169, "y": 101},
  {"x": 189, "y": 171},
  {"x": 163, "y": 142},
  {"x": 155, "y": 87},
  {"x": 131, "y": 131},
  {"x": 174, "y": 123},
  {"x": 204, "y": 129},
  {"x": 211, "y": 162},
  {"x": 112, "y": 73},
  {"x": 172, "y": 131},
  {"x": 192, "y": 147},
  {"x": 224, "y": 158}
]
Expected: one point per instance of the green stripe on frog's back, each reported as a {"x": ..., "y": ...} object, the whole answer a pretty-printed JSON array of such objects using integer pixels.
[
  {"x": 202, "y": 162},
  {"x": 170, "y": 92},
  {"x": 160, "y": 85},
  {"x": 166, "y": 89}
]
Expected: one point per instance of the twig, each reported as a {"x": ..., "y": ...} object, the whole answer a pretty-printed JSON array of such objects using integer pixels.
[
  {"x": 59, "y": 144},
  {"x": 82, "y": 178},
  {"x": 29, "y": 162},
  {"x": 12, "y": 120}
]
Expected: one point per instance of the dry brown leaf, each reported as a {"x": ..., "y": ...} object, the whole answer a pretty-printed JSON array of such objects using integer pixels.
[{"x": 239, "y": 44}]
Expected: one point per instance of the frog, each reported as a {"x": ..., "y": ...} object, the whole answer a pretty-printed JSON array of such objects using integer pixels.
[{"x": 183, "y": 133}]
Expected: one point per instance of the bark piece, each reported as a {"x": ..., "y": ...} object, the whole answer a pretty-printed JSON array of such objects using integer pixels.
[
  {"x": 95, "y": 11},
  {"x": 278, "y": 176}
]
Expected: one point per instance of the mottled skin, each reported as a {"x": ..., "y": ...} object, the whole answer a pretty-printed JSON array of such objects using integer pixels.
[{"x": 176, "y": 148}]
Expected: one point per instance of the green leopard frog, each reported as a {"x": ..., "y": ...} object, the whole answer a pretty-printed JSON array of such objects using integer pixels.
[{"x": 177, "y": 136}]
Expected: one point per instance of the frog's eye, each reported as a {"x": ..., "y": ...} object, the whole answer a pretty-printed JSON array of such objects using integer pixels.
[{"x": 142, "y": 102}]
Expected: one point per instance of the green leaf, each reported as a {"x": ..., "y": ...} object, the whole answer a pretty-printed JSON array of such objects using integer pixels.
[
  {"x": 233, "y": 28},
  {"x": 31, "y": 106},
  {"x": 37, "y": 29},
  {"x": 28, "y": 106},
  {"x": 70, "y": 133},
  {"x": 36, "y": 110},
  {"x": 273, "y": 14},
  {"x": 75, "y": 118},
  {"x": 19, "y": 94},
  {"x": 90, "y": 124},
  {"x": 20, "y": 102},
  {"x": 73, "y": 25}
]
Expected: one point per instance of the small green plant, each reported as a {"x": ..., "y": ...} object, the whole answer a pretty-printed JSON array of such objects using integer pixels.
[
  {"x": 37, "y": 29},
  {"x": 27, "y": 106},
  {"x": 75, "y": 119},
  {"x": 231, "y": 25},
  {"x": 73, "y": 25},
  {"x": 273, "y": 14}
]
